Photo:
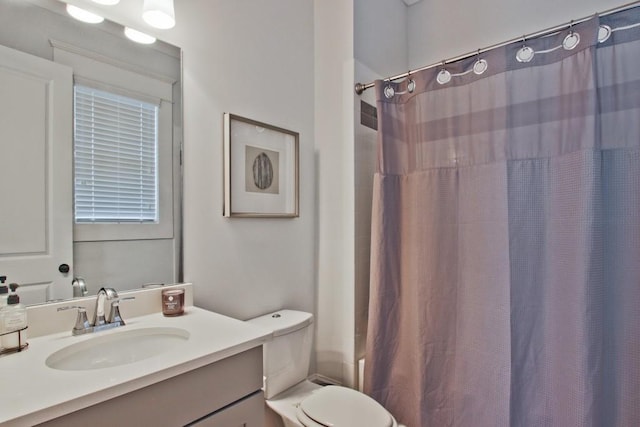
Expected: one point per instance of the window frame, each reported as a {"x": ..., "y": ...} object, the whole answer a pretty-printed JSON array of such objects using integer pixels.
[{"x": 112, "y": 78}]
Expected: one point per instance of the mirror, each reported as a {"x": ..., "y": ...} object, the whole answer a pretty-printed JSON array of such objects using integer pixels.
[{"x": 121, "y": 255}]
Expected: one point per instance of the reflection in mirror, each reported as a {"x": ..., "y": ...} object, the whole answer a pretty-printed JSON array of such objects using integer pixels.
[{"x": 74, "y": 97}]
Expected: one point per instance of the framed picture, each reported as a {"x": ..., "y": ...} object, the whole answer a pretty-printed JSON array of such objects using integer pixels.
[{"x": 260, "y": 169}]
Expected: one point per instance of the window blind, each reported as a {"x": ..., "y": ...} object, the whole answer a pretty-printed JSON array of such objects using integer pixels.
[{"x": 115, "y": 158}]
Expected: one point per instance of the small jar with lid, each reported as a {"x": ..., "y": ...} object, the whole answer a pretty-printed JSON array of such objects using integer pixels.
[{"x": 173, "y": 302}]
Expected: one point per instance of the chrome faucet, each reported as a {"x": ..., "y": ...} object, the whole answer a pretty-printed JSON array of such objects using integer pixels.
[
  {"x": 107, "y": 294},
  {"x": 79, "y": 287},
  {"x": 100, "y": 321}
]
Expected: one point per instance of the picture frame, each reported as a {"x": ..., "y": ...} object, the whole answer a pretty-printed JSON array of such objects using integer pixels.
[{"x": 261, "y": 172}]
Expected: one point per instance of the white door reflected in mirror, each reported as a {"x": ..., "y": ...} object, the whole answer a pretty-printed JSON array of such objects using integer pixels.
[{"x": 35, "y": 231}]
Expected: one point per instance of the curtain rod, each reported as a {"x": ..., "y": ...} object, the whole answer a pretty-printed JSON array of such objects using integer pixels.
[{"x": 360, "y": 88}]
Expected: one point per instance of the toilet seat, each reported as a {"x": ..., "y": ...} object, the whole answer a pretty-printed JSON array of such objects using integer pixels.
[{"x": 342, "y": 407}]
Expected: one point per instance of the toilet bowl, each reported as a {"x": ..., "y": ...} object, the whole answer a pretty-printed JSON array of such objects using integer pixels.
[{"x": 298, "y": 401}]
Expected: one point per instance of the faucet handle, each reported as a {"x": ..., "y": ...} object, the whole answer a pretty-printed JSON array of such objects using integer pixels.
[
  {"x": 82, "y": 325},
  {"x": 114, "y": 315}
]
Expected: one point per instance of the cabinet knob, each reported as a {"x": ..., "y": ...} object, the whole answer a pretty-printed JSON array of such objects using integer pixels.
[{"x": 64, "y": 268}]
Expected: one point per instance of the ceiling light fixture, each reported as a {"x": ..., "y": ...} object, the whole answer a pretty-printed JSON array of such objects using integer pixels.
[
  {"x": 107, "y": 2},
  {"x": 84, "y": 15},
  {"x": 138, "y": 37},
  {"x": 159, "y": 13}
]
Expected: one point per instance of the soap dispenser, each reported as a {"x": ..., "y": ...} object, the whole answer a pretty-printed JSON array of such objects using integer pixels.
[
  {"x": 14, "y": 318},
  {"x": 4, "y": 293}
]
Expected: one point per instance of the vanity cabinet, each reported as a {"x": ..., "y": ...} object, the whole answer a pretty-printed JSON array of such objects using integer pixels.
[{"x": 226, "y": 393}]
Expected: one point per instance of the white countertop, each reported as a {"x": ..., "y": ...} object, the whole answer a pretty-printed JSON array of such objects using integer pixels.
[{"x": 32, "y": 392}]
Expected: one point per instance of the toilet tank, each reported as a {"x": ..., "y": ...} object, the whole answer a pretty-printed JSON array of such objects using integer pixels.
[{"x": 287, "y": 355}]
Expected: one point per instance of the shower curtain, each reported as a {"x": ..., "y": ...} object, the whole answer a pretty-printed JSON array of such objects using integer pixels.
[{"x": 505, "y": 278}]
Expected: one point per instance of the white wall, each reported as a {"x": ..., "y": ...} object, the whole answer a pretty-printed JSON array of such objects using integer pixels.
[
  {"x": 334, "y": 174},
  {"x": 254, "y": 59},
  {"x": 438, "y": 29},
  {"x": 380, "y": 35},
  {"x": 348, "y": 34}
]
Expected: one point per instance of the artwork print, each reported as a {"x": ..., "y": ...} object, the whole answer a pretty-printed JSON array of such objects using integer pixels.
[{"x": 261, "y": 170}]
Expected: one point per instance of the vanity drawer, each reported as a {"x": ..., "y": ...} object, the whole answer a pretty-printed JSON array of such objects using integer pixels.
[
  {"x": 249, "y": 412},
  {"x": 182, "y": 399}
]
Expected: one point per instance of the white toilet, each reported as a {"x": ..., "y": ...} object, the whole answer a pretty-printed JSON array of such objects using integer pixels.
[{"x": 297, "y": 400}]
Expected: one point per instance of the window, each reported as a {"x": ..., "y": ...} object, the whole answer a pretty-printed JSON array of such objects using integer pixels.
[
  {"x": 115, "y": 158},
  {"x": 124, "y": 163}
]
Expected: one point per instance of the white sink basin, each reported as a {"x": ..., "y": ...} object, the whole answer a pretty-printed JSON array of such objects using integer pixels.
[{"x": 116, "y": 349}]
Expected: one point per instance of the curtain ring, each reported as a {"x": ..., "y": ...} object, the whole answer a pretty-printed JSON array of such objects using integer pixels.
[
  {"x": 572, "y": 39},
  {"x": 525, "y": 53},
  {"x": 389, "y": 91},
  {"x": 480, "y": 66},
  {"x": 443, "y": 76},
  {"x": 411, "y": 84},
  {"x": 604, "y": 32}
]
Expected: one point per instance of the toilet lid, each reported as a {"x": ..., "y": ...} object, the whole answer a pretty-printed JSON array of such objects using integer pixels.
[{"x": 344, "y": 407}]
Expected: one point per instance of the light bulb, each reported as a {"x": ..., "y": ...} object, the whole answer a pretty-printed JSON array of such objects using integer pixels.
[
  {"x": 84, "y": 15},
  {"x": 138, "y": 36},
  {"x": 107, "y": 2},
  {"x": 159, "y": 13}
]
